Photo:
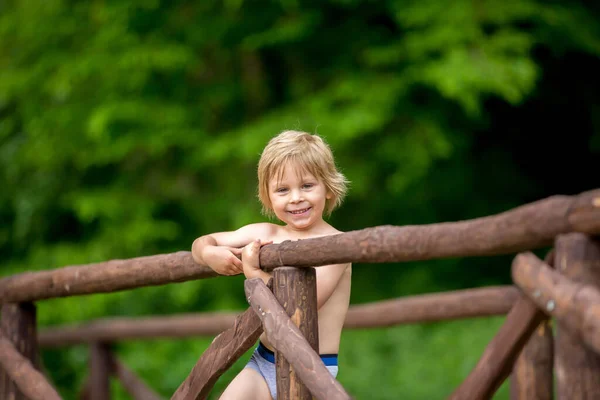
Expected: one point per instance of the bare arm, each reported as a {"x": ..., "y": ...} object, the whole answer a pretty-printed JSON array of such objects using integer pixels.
[{"x": 220, "y": 251}]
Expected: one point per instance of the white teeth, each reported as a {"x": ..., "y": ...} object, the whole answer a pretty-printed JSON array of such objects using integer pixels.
[{"x": 299, "y": 211}]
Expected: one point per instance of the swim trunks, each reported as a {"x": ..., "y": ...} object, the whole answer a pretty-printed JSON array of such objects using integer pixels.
[{"x": 263, "y": 362}]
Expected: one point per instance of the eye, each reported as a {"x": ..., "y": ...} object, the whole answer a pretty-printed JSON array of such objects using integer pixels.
[
  {"x": 281, "y": 190},
  {"x": 308, "y": 185}
]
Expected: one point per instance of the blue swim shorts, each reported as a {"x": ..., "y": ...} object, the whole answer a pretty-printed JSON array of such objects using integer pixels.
[{"x": 263, "y": 362}]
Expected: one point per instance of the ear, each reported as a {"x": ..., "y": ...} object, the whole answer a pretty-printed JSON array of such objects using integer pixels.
[{"x": 329, "y": 195}]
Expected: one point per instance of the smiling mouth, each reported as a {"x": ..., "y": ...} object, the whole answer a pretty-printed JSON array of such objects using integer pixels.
[{"x": 298, "y": 212}]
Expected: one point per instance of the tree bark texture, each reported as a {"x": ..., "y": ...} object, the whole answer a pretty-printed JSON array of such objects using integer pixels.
[
  {"x": 287, "y": 339},
  {"x": 433, "y": 307},
  {"x": 136, "y": 388},
  {"x": 100, "y": 367},
  {"x": 577, "y": 367},
  {"x": 296, "y": 290},
  {"x": 532, "y": 375},
  {"x": 19, "y": 325},
  {"x": 103, "y": 277},
  {"x": 499, "y": 356},
  {"x": 524, "y": 228},
  {"x": 123, "y": 328},
  {"x": 222, "y": 353},
  {"x": 32, "y": 383},
  {"x": 575, "y": 306}
]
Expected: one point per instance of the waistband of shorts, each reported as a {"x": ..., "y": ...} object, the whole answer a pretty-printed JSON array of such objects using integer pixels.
[{"x": 328, "y": 359}]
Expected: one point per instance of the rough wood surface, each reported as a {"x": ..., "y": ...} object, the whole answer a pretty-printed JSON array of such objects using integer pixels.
[
  {"x": 109, "y": 276},
  {"x": 136, "y": 388},
  {"x": 433, "y": 307},
  {"x": 31, "y": 382},
  {"x": 123, "y": 328},
  {"x": 523, "y": 228},
  {"x": 526, "y": 227},
  {"x": 99, "y": 371},
  {"x": 576, "y": 306},
  {"x": 287, "y": 339},
  {"x": 532, "y": 376},
  {"x": 497, "y": 361},
  {"x": 577, "y": 367},
  {"x": 225, "y": 350},
  {"x": 19, "y": 325},
  {"x": 296, "y": 290}
]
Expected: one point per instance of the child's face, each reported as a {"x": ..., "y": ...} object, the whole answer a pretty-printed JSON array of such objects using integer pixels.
[{"x": 298, "y": 198}]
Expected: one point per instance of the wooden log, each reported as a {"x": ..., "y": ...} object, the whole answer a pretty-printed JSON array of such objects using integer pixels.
[
  {"x": 123, "y": 328},
  {"x": 136, "y": 388},
  {"x": 432, "y": 307},
  {"x": 532, "y": 376},
  {"x": 527, "y": 227},
  {"x": 103, "y": 277},
  {"x": 222, "y": 353},
  {"x": 19, "y": 325},
  {"x": 32, "y": 383},
  {"x": 296, "y": 290},
  {"x": 287, "y": 339},
  {"x": 100, "y": 371},
  {"x": 577, "y": 368},
  {"x": 499, "y": 356},
  {"x": 575, "y": 306}
]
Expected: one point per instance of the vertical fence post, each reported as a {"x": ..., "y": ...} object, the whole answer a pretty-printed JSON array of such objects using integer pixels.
[
  {"x": 19, "y": 325},
  {"x": 99, "y": 371},
  {"x": 532, "y": 373},
  {"x": 577, "y": 368},
  {"x": 296, "y": 291}
]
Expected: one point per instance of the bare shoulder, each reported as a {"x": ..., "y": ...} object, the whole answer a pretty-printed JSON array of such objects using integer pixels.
[
  {"x": 244, "y": 235},
  {"x": 261, "y": 230}
]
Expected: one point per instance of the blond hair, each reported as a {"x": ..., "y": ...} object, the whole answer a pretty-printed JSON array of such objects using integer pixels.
[{"x": 310, "y": 153}]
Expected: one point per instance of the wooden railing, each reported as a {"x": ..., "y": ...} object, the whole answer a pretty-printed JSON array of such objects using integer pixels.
[{"x": 568, "y": 294}]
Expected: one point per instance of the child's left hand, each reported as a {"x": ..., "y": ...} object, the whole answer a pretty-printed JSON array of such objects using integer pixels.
[{"x": 250, "y": 261}]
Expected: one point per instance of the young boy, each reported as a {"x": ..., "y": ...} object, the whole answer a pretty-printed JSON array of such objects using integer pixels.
[{"x": 297, "y": 182}]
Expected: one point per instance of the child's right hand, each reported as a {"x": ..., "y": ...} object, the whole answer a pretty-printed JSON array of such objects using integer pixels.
[
  {"x": 223, "y": 259},
  {"x": 250, "y": 259}
]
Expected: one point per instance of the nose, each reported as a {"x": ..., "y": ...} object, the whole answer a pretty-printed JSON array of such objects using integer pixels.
[{"x": 296, "y": 196}]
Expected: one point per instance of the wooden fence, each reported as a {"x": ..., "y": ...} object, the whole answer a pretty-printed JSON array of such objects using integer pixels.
[{"x": 565, "y": 287}]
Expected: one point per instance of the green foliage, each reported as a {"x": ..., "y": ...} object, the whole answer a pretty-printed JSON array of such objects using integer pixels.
[{"x": 129, "y": 128}]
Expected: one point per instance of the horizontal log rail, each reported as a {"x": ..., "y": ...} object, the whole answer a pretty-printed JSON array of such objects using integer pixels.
[
  {"x": 467, "y": 303},
  {"x": 526, "y": 227},
  {"x": 575, "y": 306},
  {"x": 30, "y": 381},
  {"x": 126, "y": 328},
  {"x": 433, "y": 307},
  {"x": 288, "y": 340}
]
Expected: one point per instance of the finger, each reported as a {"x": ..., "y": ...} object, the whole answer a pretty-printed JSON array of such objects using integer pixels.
[
  {"x": 238, "y": 264},
  {"x": 236, "y": 251}
]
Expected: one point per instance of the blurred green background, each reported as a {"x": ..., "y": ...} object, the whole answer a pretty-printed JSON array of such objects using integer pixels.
[{"x": 131, "y": 127}]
